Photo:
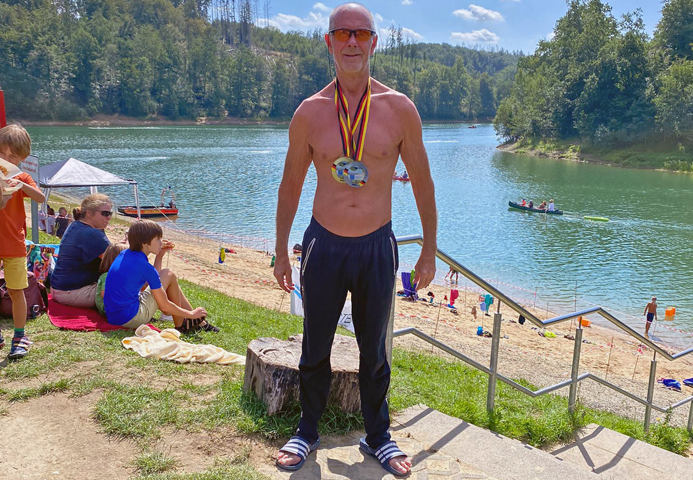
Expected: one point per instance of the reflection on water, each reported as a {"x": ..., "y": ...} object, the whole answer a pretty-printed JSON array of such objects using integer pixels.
[{"x": 226, "y": 180}]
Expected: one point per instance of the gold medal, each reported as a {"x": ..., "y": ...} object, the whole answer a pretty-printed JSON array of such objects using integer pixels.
[{"x": 338, "y": 168}]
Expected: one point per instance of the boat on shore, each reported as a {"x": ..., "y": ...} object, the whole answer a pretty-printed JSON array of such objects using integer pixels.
[
  {"x": 534, "y": 209},
  {"x": 148, "y": 211}
]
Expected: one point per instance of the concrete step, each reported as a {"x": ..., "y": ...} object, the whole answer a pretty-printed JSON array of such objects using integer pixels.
[
  {"x": 613, "y": 455},
  {"x": 441, "y": 448},
  {"x": 495, "y": 455}
]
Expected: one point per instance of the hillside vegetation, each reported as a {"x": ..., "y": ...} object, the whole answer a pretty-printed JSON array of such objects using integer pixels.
[
  {"x": 73, "y": 59},
  {"x": 603, "y": 83}
]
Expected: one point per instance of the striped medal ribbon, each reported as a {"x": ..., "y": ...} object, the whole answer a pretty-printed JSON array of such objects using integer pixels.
[{"x": 350, "y": 169}]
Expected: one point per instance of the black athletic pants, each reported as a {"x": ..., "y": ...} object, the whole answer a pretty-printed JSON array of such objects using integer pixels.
[{"x": 332, "y": 265}]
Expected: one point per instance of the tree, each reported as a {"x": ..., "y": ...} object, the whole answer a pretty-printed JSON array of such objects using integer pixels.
[{"x": 675, "y": 29}]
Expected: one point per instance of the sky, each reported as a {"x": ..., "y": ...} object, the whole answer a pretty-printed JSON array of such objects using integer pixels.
[{"x": 509, "y": 24}]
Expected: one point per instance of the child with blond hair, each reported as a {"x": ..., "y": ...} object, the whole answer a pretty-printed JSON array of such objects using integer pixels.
[{"x": 15, "y": 146}]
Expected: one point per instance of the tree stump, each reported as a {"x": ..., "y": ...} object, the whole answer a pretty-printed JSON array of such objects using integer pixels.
[{"x": 271, "y": 371}]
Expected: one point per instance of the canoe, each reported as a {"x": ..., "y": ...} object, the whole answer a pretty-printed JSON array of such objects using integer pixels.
[
  {"x": 596, "y": 219},
  {"x": 148, "y": 211},
  {"x": 401, "y": 179},
  {"x": 533, "y": 209}
]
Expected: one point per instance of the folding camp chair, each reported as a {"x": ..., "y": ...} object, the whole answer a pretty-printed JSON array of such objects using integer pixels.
[{"x": 409, "y": 287}]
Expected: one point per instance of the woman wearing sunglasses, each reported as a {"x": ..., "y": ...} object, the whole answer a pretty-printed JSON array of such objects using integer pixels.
[{"x": 76, "y": 273}]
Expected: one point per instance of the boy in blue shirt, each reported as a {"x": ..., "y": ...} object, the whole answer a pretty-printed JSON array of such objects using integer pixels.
[{"x": 129, "y": 304}]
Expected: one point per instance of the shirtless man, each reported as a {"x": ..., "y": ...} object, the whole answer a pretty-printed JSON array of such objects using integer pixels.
[
  {"x": 349, "y": 245},
  {"x": 651, "y": 312}
]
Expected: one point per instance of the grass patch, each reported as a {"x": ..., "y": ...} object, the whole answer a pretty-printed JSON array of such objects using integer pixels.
[
  {"x": 650, "y": 153},
  {"x": 221, "y": 471},
  {"x": 44, "y": 237},
  {"x": 48, "y": 388},
  {"x": 150, "y": 463}
]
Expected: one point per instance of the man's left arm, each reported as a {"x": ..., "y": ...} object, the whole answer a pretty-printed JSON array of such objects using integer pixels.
[{"x": 415, "y": 159}]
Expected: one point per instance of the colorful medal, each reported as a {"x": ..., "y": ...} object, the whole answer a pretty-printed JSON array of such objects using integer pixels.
[
  {"x": 350, "y": 169},
  {"x": 338, "y": 168},
  {"x": 356, "y": 174}
]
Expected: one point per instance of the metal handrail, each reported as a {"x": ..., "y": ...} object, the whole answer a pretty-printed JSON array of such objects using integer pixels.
[{"x": 492, "y": 371}]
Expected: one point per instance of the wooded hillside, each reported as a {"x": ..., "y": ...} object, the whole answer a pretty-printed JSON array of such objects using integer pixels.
[{"x": 72, "y": 59}]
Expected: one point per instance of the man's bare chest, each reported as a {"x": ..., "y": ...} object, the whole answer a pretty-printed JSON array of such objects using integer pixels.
[{"x": 381, "y": 141}]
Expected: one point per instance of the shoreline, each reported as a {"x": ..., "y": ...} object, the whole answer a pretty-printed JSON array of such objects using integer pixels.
[
  {"x": 121, "y": 121},
  {"x": 573, "y": 153}
]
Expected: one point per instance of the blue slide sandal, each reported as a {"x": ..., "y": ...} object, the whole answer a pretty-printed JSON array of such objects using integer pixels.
[
  {"x": 300, "y": 447},
  {"x": 384, "y": 454}
]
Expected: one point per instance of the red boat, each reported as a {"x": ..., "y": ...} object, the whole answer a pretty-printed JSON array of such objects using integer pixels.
[
  {"x": 400, "y": 178},
  {"x": 148, "y": 211}
]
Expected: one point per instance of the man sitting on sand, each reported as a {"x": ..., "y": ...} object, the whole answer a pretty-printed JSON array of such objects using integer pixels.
[{"x": 128, "y": 304}]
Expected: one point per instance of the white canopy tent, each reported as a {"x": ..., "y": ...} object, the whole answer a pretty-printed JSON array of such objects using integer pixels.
[{"x": 73, "y": 173}]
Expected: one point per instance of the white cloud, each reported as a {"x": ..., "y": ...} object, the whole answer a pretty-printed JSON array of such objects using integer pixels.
[
  {"x": 479, "y": 14},
  {"x": 384, "y": 33},
  {"x": 407, "y": 2},
  {"x": 322, "y": 7},
  {"x": 409, "y": 33},
  {"x": 550, "y": 35},
  {"x": 286, "y": 22},
  {"x": 378, "y": 18},
  {"x": 477, "y": 36}
]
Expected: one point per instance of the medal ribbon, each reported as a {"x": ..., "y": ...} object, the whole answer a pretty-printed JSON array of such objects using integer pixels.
[{"x": 347, "y": 131}]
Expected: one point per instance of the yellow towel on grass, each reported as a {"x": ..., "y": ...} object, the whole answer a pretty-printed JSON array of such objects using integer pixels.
[{"x": 167, "y": 345}]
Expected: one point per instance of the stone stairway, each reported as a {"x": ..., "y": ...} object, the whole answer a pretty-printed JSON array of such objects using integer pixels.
[
  {"x": 446, "y": 448},
  {"x": 442, "y": 448}
]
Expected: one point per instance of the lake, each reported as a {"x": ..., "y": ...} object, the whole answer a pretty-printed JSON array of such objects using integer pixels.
[{"x": 226, "y": 180}]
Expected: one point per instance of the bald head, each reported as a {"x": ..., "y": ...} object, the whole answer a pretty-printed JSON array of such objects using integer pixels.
[{"x": 351, "y": 7}]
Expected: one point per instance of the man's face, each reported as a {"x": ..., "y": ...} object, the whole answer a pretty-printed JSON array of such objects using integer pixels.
[
  {"x": 351, "y": 55},
  {"x": 13, "y": 158}
]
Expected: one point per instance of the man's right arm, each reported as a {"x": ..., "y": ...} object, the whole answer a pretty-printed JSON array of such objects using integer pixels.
[{"x": 298, "y": 159}]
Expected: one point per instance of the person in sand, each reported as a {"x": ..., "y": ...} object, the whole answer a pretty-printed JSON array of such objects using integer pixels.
[
  {"x": 353, "y": 131},
  {"x": 651, "y": 314}
]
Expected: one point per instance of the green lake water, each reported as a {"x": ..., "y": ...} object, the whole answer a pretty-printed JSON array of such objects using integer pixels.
[{"x": 226, "y": 179}]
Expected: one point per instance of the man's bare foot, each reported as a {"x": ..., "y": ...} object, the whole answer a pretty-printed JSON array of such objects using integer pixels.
[
  {"x": 287, "y": 459},
  {"x": 402, "y": 464}
]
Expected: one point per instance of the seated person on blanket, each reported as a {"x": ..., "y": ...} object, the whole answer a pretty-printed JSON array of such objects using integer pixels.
[
  {"x": 129, "y": 304},
  {"x": 107, "y": 260}
]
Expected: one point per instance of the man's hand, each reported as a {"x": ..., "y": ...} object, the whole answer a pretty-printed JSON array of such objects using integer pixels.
[
  {"x": 282, "y": 272},
  {"x": 425, "y": 271}
]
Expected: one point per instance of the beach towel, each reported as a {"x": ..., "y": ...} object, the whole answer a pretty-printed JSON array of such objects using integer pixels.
[
  {"x": 75, "y": 318},
  {"x": 670, "y": 383},
  {"x": 688, "y": 382},
  {"x": 167, "y": 345}
]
